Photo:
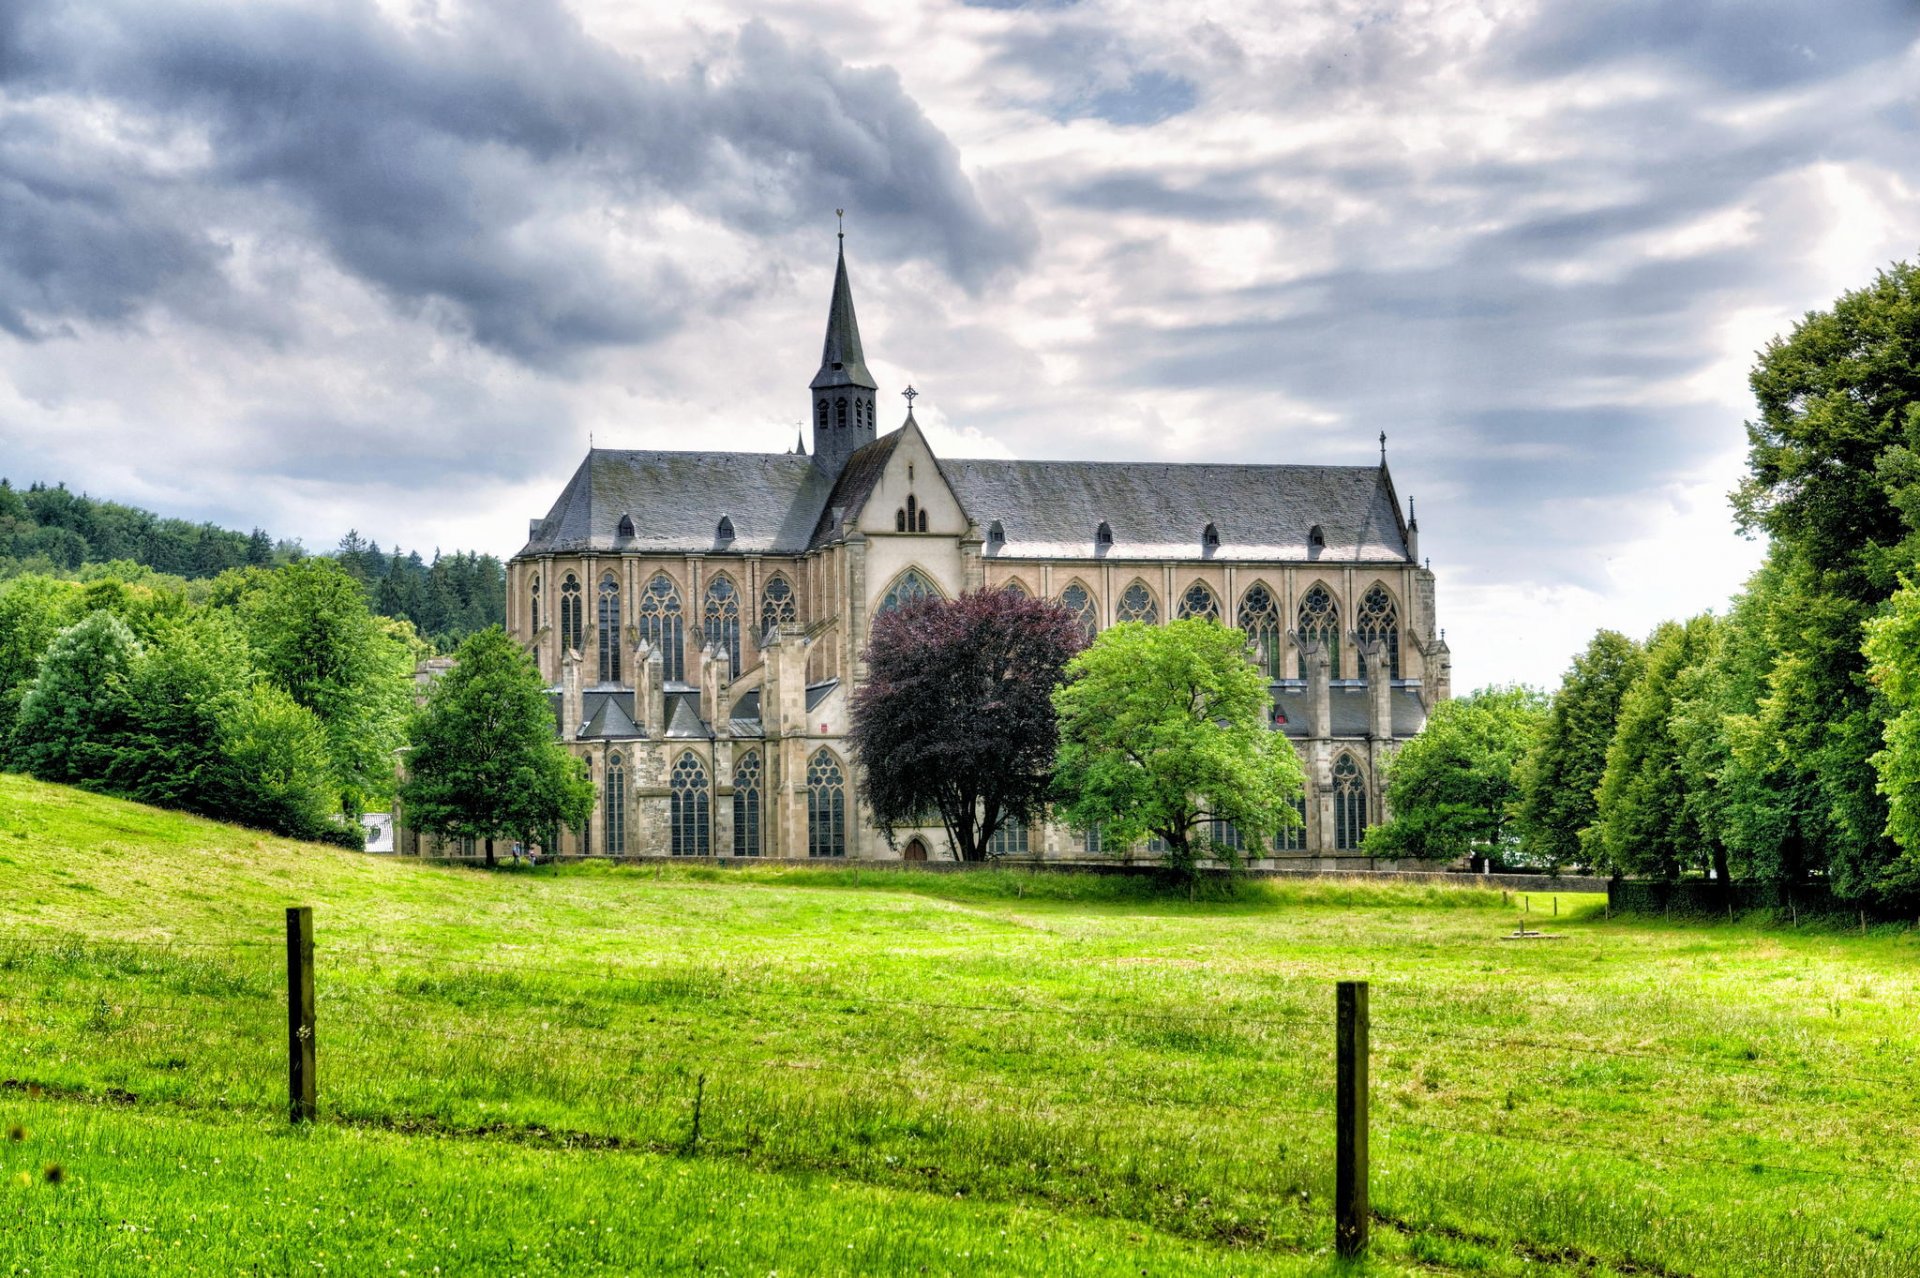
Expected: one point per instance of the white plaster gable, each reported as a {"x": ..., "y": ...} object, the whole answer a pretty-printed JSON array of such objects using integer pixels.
[{"x": 912, "y": 470}]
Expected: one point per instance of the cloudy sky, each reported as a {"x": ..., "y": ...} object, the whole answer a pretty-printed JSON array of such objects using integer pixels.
[{"x": 389, "y": 264}]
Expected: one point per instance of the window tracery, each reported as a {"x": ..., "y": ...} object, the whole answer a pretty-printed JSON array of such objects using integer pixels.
[
  {"x": 1379, "y": 620},
  {"x": 609, "y": 630},
  {"x": 1320, "y": 619},
  {"x": 571, "y": 622},
  {"x": 688, "y": 788},
  {"x": 777, "y": 604},
  {"x": 1137, "y": 604},
  {"x": 614, "y": 800},
  {"x": 746, "y": 805},
  {"x": 826, "y": 806},
  {"x": 723, "y": 619},
  {"x": 1349, "y": 804},
  {"x": 1199, "y": 601},
  {"x": 1260, "y": 619},
  {"x": 663, "y": 626},
  {"x": 909, "y": 587},
  {"x": 1077, "y": 601}
]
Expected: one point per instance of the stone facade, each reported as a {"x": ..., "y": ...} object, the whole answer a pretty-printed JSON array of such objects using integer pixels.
[{"x": 700, "y": 616}]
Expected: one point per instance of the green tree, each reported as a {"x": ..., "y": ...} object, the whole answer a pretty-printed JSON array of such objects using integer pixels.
[
  {"x": 1893, "y": 654},
  {"x": 33, "y": 611},
  {"x": 485, "y": 762},
  {"x": 1164, "y": 730},
  {"x": 314, "y": 637},
  {"x": 184, "y": 692},
  {"x": 1646, "y": 823},
  {"x": 1454, "y": 788},
  {"x": 1834, "y": 478},
  {"x": 278, "y": 751},
  {"x": 74, "y": 712},
  {"x": 1562, "y": 773}
]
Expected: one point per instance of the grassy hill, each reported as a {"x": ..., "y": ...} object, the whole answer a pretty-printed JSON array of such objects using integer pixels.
[{"x": 903, "y": 1073}]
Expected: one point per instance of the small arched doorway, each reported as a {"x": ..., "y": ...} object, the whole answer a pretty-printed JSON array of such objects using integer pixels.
[{"x": 916, "y": 850}]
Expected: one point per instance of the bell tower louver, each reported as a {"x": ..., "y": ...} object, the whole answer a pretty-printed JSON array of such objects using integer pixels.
[{"x": 843, "y": 389}]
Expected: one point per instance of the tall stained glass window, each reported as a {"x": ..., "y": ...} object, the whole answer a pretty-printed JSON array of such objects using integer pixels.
[
  {"x": 663, "y": 626},
  {"x": 1379, "y": 620},
  {"x": 746, "y": 804},
  {"x": 609, "y": 634},
  {"x": 614, "y": 804},
  {"x": 1349, "y": 804},
  {"x": 723, "y": 619},
  {"x": 826, "y": 806},
  {"x": 1260, "y": 619},
  {"x": 571, "y": 622},
  {"x": 777, "y": 607},
  {"x": 688, "y": 788},
  {"x": 1320, "y": 619}
]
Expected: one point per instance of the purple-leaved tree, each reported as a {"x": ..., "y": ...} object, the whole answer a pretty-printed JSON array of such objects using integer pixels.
[{"x": 956, "y": 716}]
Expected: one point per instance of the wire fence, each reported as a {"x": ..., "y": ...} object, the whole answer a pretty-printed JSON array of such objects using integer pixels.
[{"x": 700, "y": 1059}]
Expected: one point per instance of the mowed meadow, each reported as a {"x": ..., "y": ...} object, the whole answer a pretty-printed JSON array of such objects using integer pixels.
[{"x": 648, "y": 1070}]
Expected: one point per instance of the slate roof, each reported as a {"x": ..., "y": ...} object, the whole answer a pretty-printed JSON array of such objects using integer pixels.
[
  {"x": 842, "y": 362},
  {"x": 676, "y": 500},
  {"x": 1158, "y": 510},
  {"x": 1347, "y": 709},
  {"x": 781, "y": 503}
]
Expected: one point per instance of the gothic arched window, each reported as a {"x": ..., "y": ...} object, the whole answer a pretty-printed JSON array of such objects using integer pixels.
[
  {"x": 1293, "y": 838},
  {"x": 663, "y": 626},
  {"x": 1349, "y": 804},
  {"x": 909, "y": 587},
  {"x": 688, "y": 787},
  {"x": 723, "y": 619},
  {"x": 1379, "y": 620},
  {"x": 1320, "y": 619},
  {"x": 1199, "y": 601},
  {"x": 533, "y": 602},
  {"x": 614, "y": 802},
  {"x": 609, "y": 634},
  {"x": 1009, "y": 840},
  {"x": 826, "y": 806},
  {"x": 1077, "y": 601},
  {"x": 1136, "y": 604},
  {"x": 1260, "y": 619},
  {"x": 922, "y": 526},
  {"x": 913, "y": 512},
  {"x": 746, "y": 805},
  {"x": 900, "y": 519},
  {"x": 571, "y": 622},
  {"x": 840, "y": 413},
  {"x": 1014, "y": 587},
  {"x": 776, "y": 604}
]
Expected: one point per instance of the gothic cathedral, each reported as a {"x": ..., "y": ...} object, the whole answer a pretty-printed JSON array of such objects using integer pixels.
[{"x": 700, "y": 615}]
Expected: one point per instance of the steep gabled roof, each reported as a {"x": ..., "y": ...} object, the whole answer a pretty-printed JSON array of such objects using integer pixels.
[
  {"x": 1159, "y": 510},
  {"x": 854, "y": 485},
  {"x": 676, "y": 500}
]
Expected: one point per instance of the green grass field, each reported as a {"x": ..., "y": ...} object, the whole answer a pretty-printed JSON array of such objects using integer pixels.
[{"x": 912, "y": 1073}]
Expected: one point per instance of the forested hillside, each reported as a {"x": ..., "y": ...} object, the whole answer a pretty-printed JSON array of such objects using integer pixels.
[{"x": 55, "y": 532}]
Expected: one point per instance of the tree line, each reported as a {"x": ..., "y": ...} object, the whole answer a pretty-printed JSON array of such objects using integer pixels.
[
  {"x": 48, "y": 530},
  {"x": 274, "y": 698},
  {"x": 1777, "y": 739}
]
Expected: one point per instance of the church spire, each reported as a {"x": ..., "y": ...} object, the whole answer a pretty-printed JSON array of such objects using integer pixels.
[{"x": 843, "y": 389}]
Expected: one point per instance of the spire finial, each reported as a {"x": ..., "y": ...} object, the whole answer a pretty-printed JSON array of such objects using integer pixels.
[
  {"x": 1411, "y": 517},
  {"x": 910, "y": 394},
  {"x": 840, "y": 215},
  {"x": 1383, "y": 448}
]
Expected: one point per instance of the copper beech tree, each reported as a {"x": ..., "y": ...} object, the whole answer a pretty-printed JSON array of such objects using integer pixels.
[{"x": 956, "y": 717}]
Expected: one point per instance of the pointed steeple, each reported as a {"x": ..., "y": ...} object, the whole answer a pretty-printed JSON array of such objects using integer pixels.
[
  {"x": 841, "y": 361},
  {"x": 843, "y": 389}
]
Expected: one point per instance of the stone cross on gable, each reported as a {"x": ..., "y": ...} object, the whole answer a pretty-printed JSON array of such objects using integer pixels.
[{"x": 910, "y": 394}]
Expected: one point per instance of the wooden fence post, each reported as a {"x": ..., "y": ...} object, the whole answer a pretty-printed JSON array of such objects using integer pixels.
[
  {"x": 1350, "y": 1208},
  {"x": 301, "y": 1083}
]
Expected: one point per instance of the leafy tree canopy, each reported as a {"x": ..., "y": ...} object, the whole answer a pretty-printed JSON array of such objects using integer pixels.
[
  {"x": 956, "y": 716},
  {"x": 485, "y": 763},
  {"x": 1563, "y": 771},
  {"x": 1647, "y": 824},
  {"x": 1453, "y": 789},
  {"x": 1165, "y": 729}
]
